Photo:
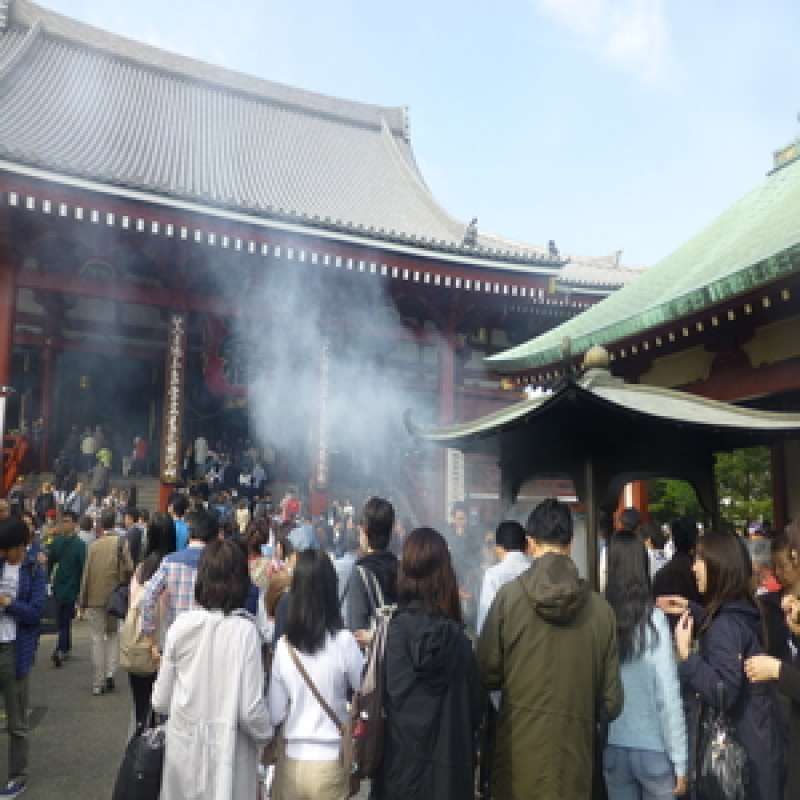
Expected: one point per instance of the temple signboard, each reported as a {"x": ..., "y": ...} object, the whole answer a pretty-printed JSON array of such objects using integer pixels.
[{"x": 173, "y": 399}]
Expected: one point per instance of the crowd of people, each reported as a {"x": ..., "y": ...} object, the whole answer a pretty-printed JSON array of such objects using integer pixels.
[{"x": 247, "y": 630}]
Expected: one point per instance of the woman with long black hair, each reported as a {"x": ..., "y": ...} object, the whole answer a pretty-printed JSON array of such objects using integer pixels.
[
  {"x": 433, "y": 697},
  {"x": 316, "y": 649},
  {"x": 160, "y": 543},
  {"x": 646, "y": 755},
  {"x": 729, "y": 631}
]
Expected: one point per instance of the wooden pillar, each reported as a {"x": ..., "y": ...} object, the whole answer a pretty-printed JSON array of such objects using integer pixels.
[
  {"x": 8, "y": 305},
  {"x": 590, "y": 502},
  {"x": 451, "y": 460},
  {"x": 791, "y": 484},
  {"x": 780, "y": 504},
  {"x": 46, "y": 404},
  {"x": 172, "y": 426}
]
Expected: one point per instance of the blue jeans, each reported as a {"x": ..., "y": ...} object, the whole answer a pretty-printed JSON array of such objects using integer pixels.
[{"x": 638, "y": 774}]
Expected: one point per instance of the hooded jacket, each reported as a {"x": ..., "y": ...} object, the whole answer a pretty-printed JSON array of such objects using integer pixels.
[
  {"x": 433, "y": 703},
  {"x": 360, "y": 602},
  {"x": 550, "y": 644},
  {"x": 733, "y": 635}
]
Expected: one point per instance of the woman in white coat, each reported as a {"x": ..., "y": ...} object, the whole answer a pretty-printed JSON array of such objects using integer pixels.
[{"x": 211, "y": 684}]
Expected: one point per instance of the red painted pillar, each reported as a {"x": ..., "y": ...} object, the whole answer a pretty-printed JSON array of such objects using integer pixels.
[
  {"x": 451, "y": 461},
  {"x": 8, "y": 303},
  {"x": 633, "y": 495},
  {"x": 447, "y": 378},
  {"x": 46, "y": 404}
]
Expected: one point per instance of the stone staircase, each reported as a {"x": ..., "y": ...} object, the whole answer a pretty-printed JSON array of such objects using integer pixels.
[{"x": 147, "y": 488}]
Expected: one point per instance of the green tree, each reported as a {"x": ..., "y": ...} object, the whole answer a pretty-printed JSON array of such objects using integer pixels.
[
  {"x": 669, "y": 499},
  {"x": 744, "y": 485}
]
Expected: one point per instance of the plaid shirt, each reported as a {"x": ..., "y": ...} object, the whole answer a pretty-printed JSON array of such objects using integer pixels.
[{"x": 176, "y": 577}]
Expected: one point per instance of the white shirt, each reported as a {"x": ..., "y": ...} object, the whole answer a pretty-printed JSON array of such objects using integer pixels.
[
  {"x": 200, "y": 450},
  {"x": 511, "y": 567},
  {"x": 9, "y": 584},
  {"x": 658, "y": 559},
  {"x": 310, "y": 734}
]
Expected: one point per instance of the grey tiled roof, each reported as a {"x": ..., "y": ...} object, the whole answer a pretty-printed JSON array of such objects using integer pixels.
[{"x": 87, "y": 103}]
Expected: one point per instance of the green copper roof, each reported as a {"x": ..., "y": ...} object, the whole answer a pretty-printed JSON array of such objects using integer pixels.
[
  {"x": 754, "y": 242},
  {"x": 727, "y": 426}
]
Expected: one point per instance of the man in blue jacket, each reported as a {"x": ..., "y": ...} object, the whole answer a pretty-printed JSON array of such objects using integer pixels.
[{"x": 22, "y": 593}]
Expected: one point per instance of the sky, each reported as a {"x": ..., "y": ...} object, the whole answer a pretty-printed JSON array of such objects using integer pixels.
[{"x": 605, "y": 125}]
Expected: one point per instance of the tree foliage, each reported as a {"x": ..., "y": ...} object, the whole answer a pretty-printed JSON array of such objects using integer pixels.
[
  {"x": 669, "y": 499},
  {"x": 744, "y": 485},
  {"x": 744, "y": 488}
]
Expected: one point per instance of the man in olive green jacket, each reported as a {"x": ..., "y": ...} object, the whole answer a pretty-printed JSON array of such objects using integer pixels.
[{"x": 549, "y": 643}]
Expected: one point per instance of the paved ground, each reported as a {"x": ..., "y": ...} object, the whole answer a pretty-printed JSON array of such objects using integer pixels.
[{"x": 77, "y": 740}]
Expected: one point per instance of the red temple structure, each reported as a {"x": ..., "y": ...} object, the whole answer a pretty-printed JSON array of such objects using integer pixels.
[{"x": 130, "y": 177}]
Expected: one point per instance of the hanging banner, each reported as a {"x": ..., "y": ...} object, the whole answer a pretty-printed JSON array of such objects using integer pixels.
[
  {"x": 223, "y": 359},
  {"x": 455, "y": 481},
  {"x": 321, "y": 477},
  {"x": 171, "y": 454}
]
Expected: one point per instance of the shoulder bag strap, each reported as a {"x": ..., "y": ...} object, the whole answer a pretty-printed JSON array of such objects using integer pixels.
[
  {"x": 312, "y": 686},
  {"x": 373, "y": 588}
]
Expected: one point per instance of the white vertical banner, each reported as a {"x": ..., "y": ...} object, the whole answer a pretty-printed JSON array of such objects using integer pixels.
[
  {"x": 455, "y": 483},
  {"x": 321, "y": 478}
]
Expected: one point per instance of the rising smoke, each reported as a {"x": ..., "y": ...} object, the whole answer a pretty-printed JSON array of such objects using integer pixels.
[{"x": 289, "y": 317}]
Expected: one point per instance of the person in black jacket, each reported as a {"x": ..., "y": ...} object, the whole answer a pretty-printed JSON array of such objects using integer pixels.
[
  {"x": 787, "y": 676},
  {"x": 784, "y": 668},
  {"x": 373, "y": 582},
  {"x": 433, "y": 699},
  {"x": 677, "y": 577},
  {"x": 729, "y": 631}
]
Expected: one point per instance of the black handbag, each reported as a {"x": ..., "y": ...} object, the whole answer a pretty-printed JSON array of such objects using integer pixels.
[
  {"x": 722, "y": 765},
  {"x": 119, "y": 599},
  {"x": 49, "y": 620},
  {"x": 139, "y": 776}
]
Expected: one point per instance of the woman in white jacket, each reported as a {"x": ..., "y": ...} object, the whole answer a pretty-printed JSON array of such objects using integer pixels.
[
  {"x": 311, "y": 769},
  {"x": 211, "y": 684}
]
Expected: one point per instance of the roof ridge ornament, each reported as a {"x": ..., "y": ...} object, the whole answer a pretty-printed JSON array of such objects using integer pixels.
[
  {"x": 471, "y": 234},
  {"x": 567, "y": 362}
]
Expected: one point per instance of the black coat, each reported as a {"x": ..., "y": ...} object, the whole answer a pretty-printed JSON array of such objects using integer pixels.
[
  {"x": 433, "y": 702},
  {"x": 360, "y": 601},
  {"x": 734, "y": 635},
  {"x": 789, "y": 686}
]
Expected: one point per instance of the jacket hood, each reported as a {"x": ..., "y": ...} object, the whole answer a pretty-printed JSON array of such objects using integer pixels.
[
  {"x": 433, "y": 647},
  {"x": 384, "y": 566},
  {"x": 554, "y": 588},
  {"x": 748, "y": 614}
]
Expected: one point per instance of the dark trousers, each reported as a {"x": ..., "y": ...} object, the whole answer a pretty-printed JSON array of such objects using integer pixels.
[
  {"x": 487, "y": 752},
  {"x": 142, "y": 689},
  {"x": 15, "y": 695},
  {"x": 66, "y": 613}
]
